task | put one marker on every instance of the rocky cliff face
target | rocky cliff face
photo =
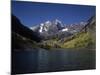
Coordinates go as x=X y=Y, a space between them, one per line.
x=91 y=25
x=22 y=30
x=86 y=38
x=50 y=29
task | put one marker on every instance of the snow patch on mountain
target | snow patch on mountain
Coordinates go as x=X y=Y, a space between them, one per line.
x=65 y=29
x=51 y=28
x=41 y=28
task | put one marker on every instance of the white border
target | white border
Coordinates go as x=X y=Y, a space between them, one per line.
x=4 y=37
x=5 y=49
x=82 y=2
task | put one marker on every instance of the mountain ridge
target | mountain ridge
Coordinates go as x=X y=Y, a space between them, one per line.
x=55 y=37
x=56 y=28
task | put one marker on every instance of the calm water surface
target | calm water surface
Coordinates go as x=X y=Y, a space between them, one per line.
x=40 y=60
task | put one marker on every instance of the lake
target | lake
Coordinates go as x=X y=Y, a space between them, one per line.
x=41 y=60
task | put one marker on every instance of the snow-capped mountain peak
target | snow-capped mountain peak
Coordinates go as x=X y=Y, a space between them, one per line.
x=51 y=28
x=48 y=23
x=57 y=21
x=43 y=28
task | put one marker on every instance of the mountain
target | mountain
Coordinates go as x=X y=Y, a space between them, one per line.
x=50 y=29
x=22 y=36
x=86 y=38
x=53 y=34
x=91 y=25
x=76 y=27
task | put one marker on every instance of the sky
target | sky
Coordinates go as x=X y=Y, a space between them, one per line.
x=34 y=13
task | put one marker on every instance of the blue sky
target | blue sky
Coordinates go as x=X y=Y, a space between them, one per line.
x=34 y=13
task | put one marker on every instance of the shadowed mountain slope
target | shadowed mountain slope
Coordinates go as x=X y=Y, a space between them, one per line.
x=22 y=36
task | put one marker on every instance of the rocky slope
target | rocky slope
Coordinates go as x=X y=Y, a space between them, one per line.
x=22 y=36
x=53 y=35
x=51 y=29
x=85 y=38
